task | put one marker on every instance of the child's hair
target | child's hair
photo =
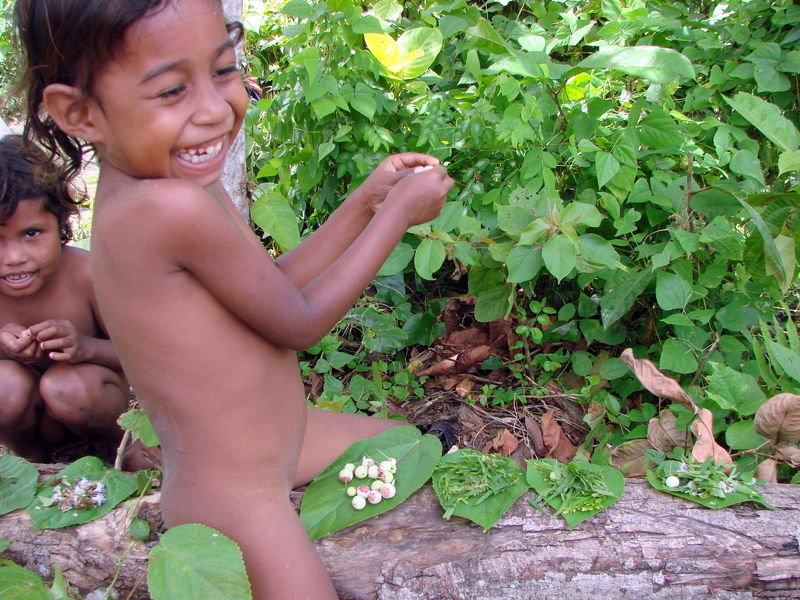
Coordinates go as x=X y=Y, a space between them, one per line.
x=68 y=42
x=26 y=172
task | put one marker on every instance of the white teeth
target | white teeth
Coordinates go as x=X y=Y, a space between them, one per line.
x=202 y=155
x=20 y=277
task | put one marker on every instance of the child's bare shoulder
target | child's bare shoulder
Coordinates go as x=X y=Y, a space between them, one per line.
x=157 y=200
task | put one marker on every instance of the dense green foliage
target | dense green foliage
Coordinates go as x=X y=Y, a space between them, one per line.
x=627 y=169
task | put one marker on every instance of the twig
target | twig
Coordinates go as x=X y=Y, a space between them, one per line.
x=123 y=445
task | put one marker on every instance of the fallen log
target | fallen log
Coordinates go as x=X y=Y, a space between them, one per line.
x=648 y=545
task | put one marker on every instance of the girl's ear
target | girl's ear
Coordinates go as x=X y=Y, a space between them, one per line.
x=72 y=111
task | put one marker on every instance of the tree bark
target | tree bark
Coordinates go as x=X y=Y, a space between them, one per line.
x=648 y=545
x=234 y=176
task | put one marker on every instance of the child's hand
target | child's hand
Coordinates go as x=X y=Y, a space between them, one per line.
x=389 y=172
x=421 y=195
x=60 y=339
x=16 y=343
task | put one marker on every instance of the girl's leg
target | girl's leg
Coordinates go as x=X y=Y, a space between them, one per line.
x=87 y=399
x=328 y=434
x=19 y=404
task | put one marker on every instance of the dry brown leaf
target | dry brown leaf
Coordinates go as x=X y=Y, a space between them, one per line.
x=504 y=443
x=556 y=441
x=465 y=386
x=663 y=434
x=535 y=435
x=778 y=419
x=655 y=381
x=443 y=367
x=628 y=457
x=473 y=357
x=789 y=454
x=706 y=445
x=768 y=471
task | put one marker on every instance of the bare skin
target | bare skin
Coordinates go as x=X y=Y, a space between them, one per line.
x=60 y=378
x=205 y=322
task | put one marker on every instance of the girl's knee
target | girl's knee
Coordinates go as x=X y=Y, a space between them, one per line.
x=67 y=396
x=16 y=392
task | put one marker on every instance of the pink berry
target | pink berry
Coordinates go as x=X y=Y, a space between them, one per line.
x=374 y=497
x=388 y=490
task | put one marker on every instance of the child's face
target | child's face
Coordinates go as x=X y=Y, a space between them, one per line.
x=172 y=103
x=30 y=249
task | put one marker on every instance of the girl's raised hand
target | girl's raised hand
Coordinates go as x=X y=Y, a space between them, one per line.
x=420 y=195
x=389 y=172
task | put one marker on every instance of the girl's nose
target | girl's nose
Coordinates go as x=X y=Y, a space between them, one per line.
x=212 y=107
x=13 y=255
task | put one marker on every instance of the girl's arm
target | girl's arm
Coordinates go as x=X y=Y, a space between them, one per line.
x=202 y=237
x=316 y=253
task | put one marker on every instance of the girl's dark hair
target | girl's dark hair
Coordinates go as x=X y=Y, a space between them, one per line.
x=25 y=172
x=69 y=41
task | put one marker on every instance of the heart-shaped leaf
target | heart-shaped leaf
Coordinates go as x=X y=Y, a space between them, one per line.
x=18 y=480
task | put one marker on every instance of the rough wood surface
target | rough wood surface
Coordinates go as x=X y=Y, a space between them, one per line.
x=648 y=545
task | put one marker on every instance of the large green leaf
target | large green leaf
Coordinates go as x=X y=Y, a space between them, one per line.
x=429 y=256
x=560 y=255
x=620 y=294
x=659 y=65
x=18 y=479
x=118 y=486
x=18 y=583
x=732 y=390
x=767 y=118
x=672 y=290
x=196 y=561
x=479 y=487
x=659 y=130
x=326 y=508
x=272 y=213
x=408 y=57
x=524 y=263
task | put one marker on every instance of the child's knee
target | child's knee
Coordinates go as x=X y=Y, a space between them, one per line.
x=16 y=386
x=66 y=395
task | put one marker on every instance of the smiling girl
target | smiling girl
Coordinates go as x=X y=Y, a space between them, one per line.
x=205 y=322
x=60 y=379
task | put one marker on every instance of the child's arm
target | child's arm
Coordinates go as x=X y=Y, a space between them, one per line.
x=64 y=343
x=201 y=236
x=327 y=243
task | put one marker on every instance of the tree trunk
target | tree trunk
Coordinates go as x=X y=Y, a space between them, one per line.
x=648 y=545
x=234 y=177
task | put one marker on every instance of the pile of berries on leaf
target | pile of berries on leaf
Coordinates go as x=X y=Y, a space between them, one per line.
x=382 y=476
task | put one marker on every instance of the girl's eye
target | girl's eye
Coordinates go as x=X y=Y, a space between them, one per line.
x=227 y=70
x=31 y=233
x=171 y=93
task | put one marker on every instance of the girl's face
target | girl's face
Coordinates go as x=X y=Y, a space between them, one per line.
x=30 y=249
x=172 y=103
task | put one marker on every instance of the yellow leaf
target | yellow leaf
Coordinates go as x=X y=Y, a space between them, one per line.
x=384 y=48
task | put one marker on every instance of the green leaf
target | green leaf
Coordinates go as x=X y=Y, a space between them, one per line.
x=493 y=303
x=18 y=583
x=408 y=57
x=620 y=294
x=747 y=164
x=789 y=161
x=138 y=423
x=272 y=213
x=741 y=435
x=580 y=213
x=563 y=494
x=196 y=561
x=397 y=260
x=732 y=390
x=429 y=257
x=767 y=118
x=772 y=257
x=672 y=291
x=596 y=251
x=559 y=255
x=326 y=508
x=524 y=263
x=18 y=479
x=677 y=356
x=659 y=65
x=607 y=166
x=479 y=487
x=787 y=359
x=118 y=486
x=749 y=495
x=659 y=130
